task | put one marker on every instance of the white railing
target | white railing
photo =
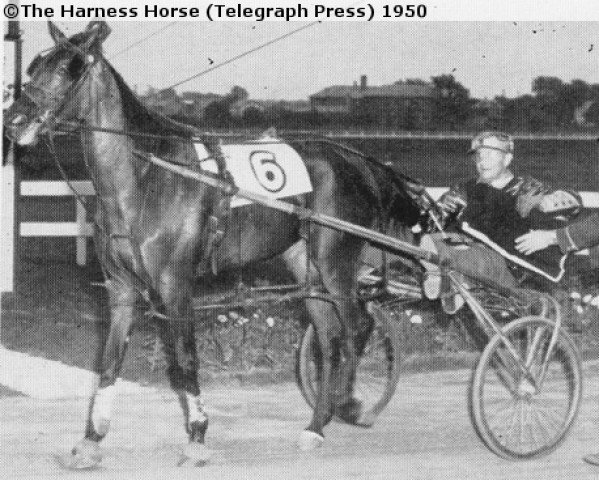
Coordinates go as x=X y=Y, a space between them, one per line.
x=81 y=228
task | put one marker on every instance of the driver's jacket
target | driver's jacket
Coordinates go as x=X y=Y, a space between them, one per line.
x=503 y=214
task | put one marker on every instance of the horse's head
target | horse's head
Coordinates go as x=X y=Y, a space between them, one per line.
x=56 y=77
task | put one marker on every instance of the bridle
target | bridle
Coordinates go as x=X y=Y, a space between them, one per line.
x=50 y=108
x=47 y=103
x=49 y=118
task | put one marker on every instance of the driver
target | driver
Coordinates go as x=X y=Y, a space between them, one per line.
x=498 y=204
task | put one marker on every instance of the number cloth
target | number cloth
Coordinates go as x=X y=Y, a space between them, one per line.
x=266 y=167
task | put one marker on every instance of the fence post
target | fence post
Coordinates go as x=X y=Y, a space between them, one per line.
x=7 y=223
x=81 y=226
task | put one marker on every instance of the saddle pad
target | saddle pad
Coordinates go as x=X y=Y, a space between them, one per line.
x=268 y=168
x=550 y=265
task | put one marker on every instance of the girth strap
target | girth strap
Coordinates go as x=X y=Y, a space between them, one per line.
x=219 y=220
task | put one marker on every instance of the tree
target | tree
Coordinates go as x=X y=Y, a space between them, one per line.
x=237 y=93
x=453 y=105
x=559 y=101
x=217 y=114
x=547 y=86
x=253 y=117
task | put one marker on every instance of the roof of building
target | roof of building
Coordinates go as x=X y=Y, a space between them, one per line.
x=400 y=90
x=199 y=95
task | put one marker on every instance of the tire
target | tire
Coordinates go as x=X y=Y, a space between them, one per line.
x=378 y=370
x=536 y=421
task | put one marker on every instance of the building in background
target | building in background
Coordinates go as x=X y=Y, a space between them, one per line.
x=195 y=103
x=402 y=105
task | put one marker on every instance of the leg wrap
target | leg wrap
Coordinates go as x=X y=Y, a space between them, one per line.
x=197 y=420
x=101 y=413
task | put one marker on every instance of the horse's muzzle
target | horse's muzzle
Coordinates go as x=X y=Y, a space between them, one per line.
x=23 y=132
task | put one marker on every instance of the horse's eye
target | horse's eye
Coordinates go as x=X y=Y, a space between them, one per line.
x=76 y=66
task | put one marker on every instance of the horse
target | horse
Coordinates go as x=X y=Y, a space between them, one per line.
x=153 y=229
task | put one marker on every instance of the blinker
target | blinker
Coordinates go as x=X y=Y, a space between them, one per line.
x=34 y=64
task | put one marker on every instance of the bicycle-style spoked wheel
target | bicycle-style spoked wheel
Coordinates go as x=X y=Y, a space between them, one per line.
x=378 y=369
x=519 y=416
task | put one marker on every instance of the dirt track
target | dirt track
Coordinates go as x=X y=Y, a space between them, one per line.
x=424 y=434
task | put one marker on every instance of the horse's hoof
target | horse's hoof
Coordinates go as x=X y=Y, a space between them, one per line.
x=310 y=441
x=351 y=412
x=196 y=453
x=366 y=419
x=86 y=455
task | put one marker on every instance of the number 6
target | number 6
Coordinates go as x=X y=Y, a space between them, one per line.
x=267 y=171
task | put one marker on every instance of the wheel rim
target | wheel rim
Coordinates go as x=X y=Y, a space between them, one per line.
x=514 y=418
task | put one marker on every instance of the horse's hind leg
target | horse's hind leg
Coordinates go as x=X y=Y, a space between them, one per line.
x=87 y=454
x=337 y=255
x=320 y=315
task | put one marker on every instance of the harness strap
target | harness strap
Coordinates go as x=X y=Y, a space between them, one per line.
x=219 y=220
x=139 y=282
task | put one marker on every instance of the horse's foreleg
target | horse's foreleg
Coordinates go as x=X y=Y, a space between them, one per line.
x=178 y=338
x=87 y=454
x=180 y=349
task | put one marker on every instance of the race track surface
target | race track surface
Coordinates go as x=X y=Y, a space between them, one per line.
x=425 y=434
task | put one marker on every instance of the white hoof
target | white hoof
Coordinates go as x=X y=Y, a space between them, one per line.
x=310 y=441
x=197 y=453
x=86 y=455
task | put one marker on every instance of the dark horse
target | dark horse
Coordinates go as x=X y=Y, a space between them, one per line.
x=153 y=227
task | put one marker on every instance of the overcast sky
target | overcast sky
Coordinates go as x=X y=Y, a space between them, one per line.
x=487 y=58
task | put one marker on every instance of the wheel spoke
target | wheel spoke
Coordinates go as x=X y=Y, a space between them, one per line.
x=513 y=424
x=533 y=434
x=541 y=423
x=502 y=414
x=553 y=416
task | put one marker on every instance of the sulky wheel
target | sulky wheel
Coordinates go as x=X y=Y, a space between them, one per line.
x=378 y=369
x=515 y=418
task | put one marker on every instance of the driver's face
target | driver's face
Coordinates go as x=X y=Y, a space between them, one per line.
x=491 y=164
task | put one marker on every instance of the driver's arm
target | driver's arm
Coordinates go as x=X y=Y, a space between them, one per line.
x=581 y=234
x=452 y=204
x=533 y=194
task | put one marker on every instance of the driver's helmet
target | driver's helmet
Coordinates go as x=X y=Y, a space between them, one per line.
x=493 y=140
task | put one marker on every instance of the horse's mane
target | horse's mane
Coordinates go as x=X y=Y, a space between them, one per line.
x=142 y=119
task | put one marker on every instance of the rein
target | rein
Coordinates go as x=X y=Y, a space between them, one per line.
x=79 y=127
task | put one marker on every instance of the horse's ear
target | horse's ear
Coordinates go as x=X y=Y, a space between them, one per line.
x=98 y=32
x=56 y=33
